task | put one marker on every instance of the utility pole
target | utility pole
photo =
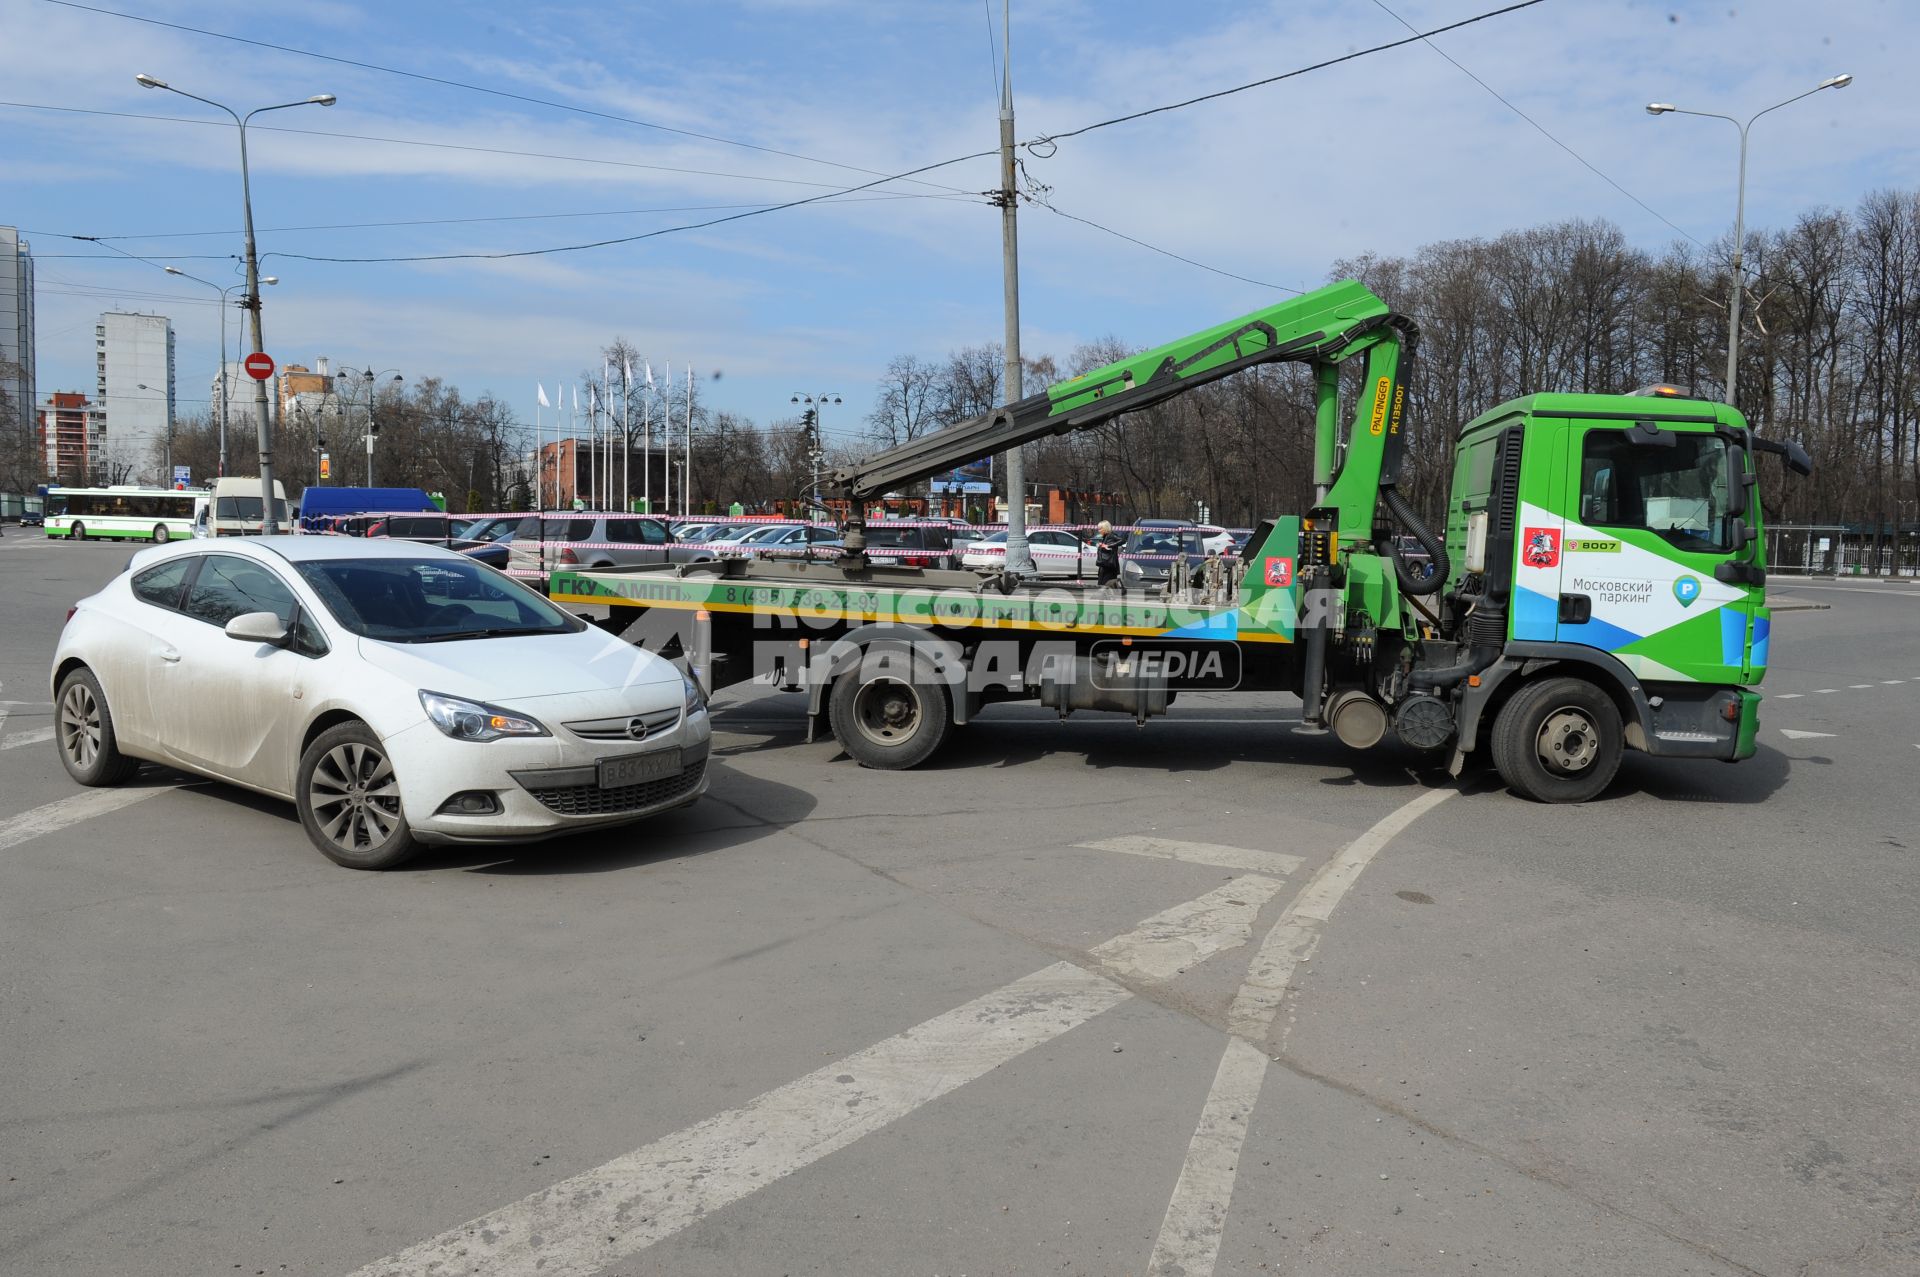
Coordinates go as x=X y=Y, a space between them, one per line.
x=1019 y=558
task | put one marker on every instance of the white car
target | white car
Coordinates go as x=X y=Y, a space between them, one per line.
x=1055 y=551
x=395 y=693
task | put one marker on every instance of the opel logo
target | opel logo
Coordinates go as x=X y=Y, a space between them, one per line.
x=636 y=728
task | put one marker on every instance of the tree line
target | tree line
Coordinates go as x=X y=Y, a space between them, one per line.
x=1832 y=318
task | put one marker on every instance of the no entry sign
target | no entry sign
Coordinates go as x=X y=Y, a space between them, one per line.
x=259 y=366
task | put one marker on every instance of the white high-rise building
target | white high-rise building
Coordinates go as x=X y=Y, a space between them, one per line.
x=16 y=326
x=133 y=360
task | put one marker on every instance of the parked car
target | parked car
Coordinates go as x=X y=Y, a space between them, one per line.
x=543 y=542
x=428 y=529
x=780 y=540
x=439 y=701
x=1057 y=552
x=1154 y=546
x=912 y=545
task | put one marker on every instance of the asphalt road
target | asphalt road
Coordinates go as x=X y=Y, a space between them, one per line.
x=840 y=1021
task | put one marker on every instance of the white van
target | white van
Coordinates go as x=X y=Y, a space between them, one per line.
x=231 y=508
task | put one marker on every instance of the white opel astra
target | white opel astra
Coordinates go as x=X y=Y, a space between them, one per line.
x=397 y=694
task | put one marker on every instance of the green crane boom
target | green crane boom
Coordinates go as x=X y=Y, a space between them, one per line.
x=1324 y=328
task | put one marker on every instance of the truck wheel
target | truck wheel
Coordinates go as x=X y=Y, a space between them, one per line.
x=887 y=723
x=1558 y=741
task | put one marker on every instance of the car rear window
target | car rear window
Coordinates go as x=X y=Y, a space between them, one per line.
x=885 y=538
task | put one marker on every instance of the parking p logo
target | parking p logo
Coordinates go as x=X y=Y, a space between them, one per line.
x=1686 y=589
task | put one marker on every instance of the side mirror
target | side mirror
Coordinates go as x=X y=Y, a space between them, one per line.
x=1743 y=536
x=258 y=627
x=1789 y=451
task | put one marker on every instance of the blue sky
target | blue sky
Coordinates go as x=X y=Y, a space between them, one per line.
x=1381 y=154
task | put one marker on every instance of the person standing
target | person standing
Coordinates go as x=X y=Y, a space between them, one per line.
x=1106 y=554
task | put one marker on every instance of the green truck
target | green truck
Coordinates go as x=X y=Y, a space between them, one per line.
x=1599 y=584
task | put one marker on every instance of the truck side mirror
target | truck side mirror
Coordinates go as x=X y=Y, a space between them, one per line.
x=1789 y=451
x=1743 y=536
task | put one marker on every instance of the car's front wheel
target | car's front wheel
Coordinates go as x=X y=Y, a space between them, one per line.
x=349 y=799
x=84 y=729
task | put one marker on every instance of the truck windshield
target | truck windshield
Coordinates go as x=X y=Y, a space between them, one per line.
x=1680 y=493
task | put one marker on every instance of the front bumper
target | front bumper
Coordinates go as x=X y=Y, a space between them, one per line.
x=543 y=787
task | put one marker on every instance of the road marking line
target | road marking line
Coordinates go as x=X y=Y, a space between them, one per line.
x=1791 y=734
x=1184 y=936
x=663 y=1187
x=1199 y=853
x=33 y=737
x=1196 y=1219
x=1858 y=687
x=1826 y=691
x=50 y=817
x=1891 y=681
x=1788 y=696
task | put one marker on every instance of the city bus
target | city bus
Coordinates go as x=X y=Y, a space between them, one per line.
x=121 y=512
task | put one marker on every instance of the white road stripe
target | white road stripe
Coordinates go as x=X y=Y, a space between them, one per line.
x=1826 y=691
x=1189 y=1240
x=1788 y=696
x=1791 y=734
x=53 y=816
x=1858 y=687
x=1199 y=853
x=1186 y=935
x=33 y=737
x=1891 y=681
x=592 y=1220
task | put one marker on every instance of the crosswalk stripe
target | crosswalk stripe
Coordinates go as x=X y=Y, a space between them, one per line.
x=1199 y=853
x=50 y=817
x=593 y=1220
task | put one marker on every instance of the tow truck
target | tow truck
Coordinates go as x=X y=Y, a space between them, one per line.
x=1599 y=584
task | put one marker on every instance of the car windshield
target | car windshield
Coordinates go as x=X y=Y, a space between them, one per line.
x=430 y=600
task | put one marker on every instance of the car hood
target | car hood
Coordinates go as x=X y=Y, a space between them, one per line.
x=523 y=668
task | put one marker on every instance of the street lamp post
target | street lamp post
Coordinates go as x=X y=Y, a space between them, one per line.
x=368 y=377
x=166 y=470
x=815 y=452
x=262 y=422
x=225 y=379
x=1740 y=209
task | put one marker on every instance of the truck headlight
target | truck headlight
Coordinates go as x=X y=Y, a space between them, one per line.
x=473 y=720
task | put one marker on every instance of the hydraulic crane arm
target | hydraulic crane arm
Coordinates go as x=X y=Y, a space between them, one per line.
x=1324 y=327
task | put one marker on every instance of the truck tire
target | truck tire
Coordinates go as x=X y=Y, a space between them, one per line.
x=888 y=723
x=1558 y=741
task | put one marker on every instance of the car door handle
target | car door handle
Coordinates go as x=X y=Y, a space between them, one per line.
x=169 y=654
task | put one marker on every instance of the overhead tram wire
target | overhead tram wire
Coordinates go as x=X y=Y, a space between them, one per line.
x=1540 y=128
x=458 y=146
x=1044 y=139
x=1050 y=138
x=1164 y=252
x=480 y=88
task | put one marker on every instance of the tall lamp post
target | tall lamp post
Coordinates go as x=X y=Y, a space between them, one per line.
x=368 y=377
x=1740 y=209
x=815 y=452
x=262 y=422
x=225 y=379
x=166 y=472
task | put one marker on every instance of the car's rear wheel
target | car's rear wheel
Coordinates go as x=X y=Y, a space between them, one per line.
x=78 y=532
x=84 y=729
x=349 y=799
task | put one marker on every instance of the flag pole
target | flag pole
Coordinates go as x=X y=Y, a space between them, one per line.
x=646 y=445
x=686 y=476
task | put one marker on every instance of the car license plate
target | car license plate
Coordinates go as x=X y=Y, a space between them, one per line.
x=636 y=769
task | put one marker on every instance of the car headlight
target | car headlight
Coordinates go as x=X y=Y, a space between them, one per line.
x=472 y=720
x=696 y=700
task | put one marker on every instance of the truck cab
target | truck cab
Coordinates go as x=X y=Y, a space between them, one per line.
x=1616 y=539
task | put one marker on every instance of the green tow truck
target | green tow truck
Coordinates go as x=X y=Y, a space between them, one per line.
x=1599 y=585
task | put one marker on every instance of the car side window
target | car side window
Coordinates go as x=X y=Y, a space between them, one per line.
x=652 y=533
x=161 y=585
x=228 y=586
x=580 y=529
x=623 y=531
